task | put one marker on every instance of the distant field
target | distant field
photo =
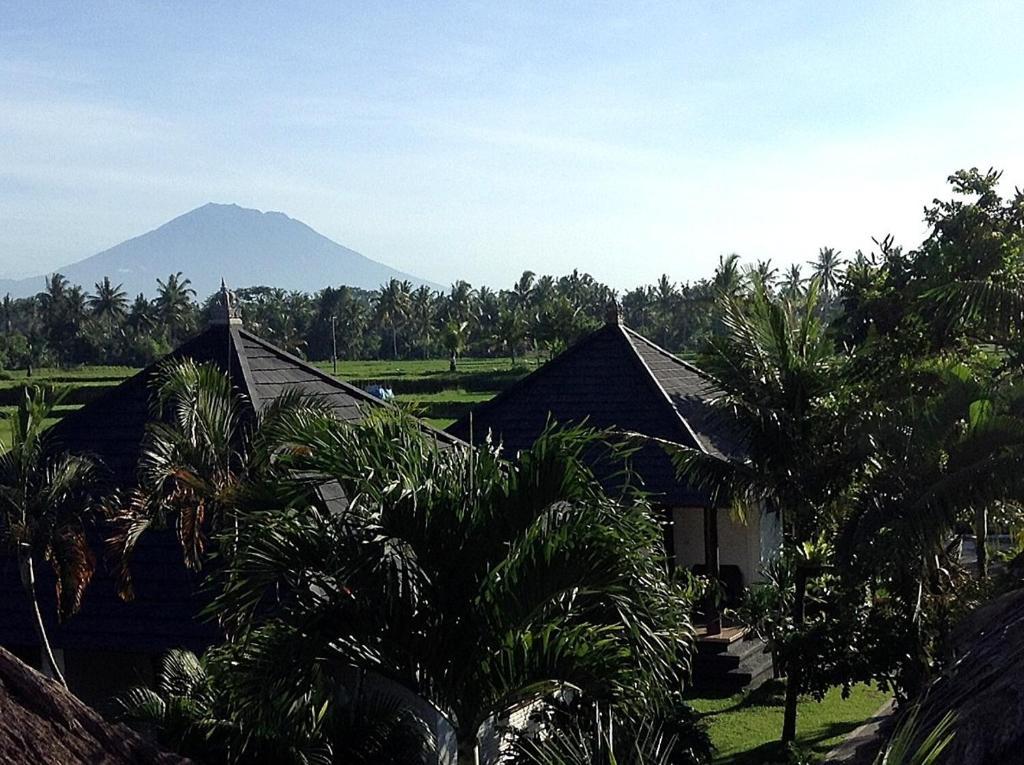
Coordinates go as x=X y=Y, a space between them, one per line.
x=425 y=386
x=412 y=368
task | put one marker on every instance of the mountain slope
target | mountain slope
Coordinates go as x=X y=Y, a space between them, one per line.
x=245 y=247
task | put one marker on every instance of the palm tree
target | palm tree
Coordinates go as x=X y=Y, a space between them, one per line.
x=475 y=583
x=792 y=282
x=509 y=331
x=778 y=371
x=142 y=316
x=728 y=279
x=827 y=269
x=53 y=295
x=422 y=313
x=666 y=303
x=174 y=304
x=763 y=272
x=453 y=337
x=523 y=290
x=460 y=302
x=193 y=712
x=110 y=302
x=44 y=498
x=392 y=307
x=195 y=456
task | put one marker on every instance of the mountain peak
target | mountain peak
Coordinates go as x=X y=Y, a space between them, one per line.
x=247 y=247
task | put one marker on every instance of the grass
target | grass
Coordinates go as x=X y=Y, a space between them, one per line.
x=745 y=728
x=447 y=396
x=86 y=375
x=437 y=395
x=420 y=368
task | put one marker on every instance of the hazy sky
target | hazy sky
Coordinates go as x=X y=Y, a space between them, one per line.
x=477 y=140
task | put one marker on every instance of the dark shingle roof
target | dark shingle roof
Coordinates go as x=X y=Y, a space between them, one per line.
x=613 y=378
x=164 y=613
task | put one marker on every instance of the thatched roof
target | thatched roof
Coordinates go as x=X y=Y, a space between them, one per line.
x=40 y=722
x=984 y=686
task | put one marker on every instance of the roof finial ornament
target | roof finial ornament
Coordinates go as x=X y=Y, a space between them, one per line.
x=225 y=308
x=612 y=316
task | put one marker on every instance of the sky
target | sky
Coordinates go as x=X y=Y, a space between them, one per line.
x=476 y=140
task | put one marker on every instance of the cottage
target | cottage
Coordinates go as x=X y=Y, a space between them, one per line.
x=616 y=378
x=111 y=645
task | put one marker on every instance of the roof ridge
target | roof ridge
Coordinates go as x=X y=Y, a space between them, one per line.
x=522 y=382
x=352 y=390
x=681 y=361
x=629 y=334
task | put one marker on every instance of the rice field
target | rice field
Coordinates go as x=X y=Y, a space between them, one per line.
x=425 y=386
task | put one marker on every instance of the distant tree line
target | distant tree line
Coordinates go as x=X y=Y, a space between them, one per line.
x=66 y=324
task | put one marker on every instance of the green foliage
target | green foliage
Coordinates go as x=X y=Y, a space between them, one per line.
x=198 y=451
x=46 y=497
x=581 y=734
x=476 y=584
x=191 y=711
x=908 y=746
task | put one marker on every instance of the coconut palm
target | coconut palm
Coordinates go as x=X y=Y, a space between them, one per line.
x=793 y=282
x=523 y=291
x=460 y=303
x=110 y=302
x=174 y=305
x=477 y=584
x=778 y=371
x=764 y=272
x=142 y=316
x=728 y=279
x=45 y=497
x=422 y=313
x=509 y=331
x=453 y=337
x=54 y=294
x=392 y=308
x=827 y=268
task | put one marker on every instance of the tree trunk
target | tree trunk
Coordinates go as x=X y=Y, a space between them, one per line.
x=713 y=570
x=394 y=341
x=467 y=754
x=794 y=662
x=453 y=363
x=981 y=537
x=28 y=581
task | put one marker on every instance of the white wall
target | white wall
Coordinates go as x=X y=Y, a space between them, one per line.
x=744 y=545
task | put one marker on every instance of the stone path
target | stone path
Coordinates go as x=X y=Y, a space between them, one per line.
x=859 y=748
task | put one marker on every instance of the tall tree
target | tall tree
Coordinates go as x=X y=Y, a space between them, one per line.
x=475 y=583
x=204 y=444
x=827 y=268
x=793 y=282
x=45 y=497
x=109 y=302
x=174 y=305
x=392 y=308
x=780 y=375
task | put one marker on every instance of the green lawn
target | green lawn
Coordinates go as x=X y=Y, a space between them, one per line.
x=745 y=728
x=448 y=396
